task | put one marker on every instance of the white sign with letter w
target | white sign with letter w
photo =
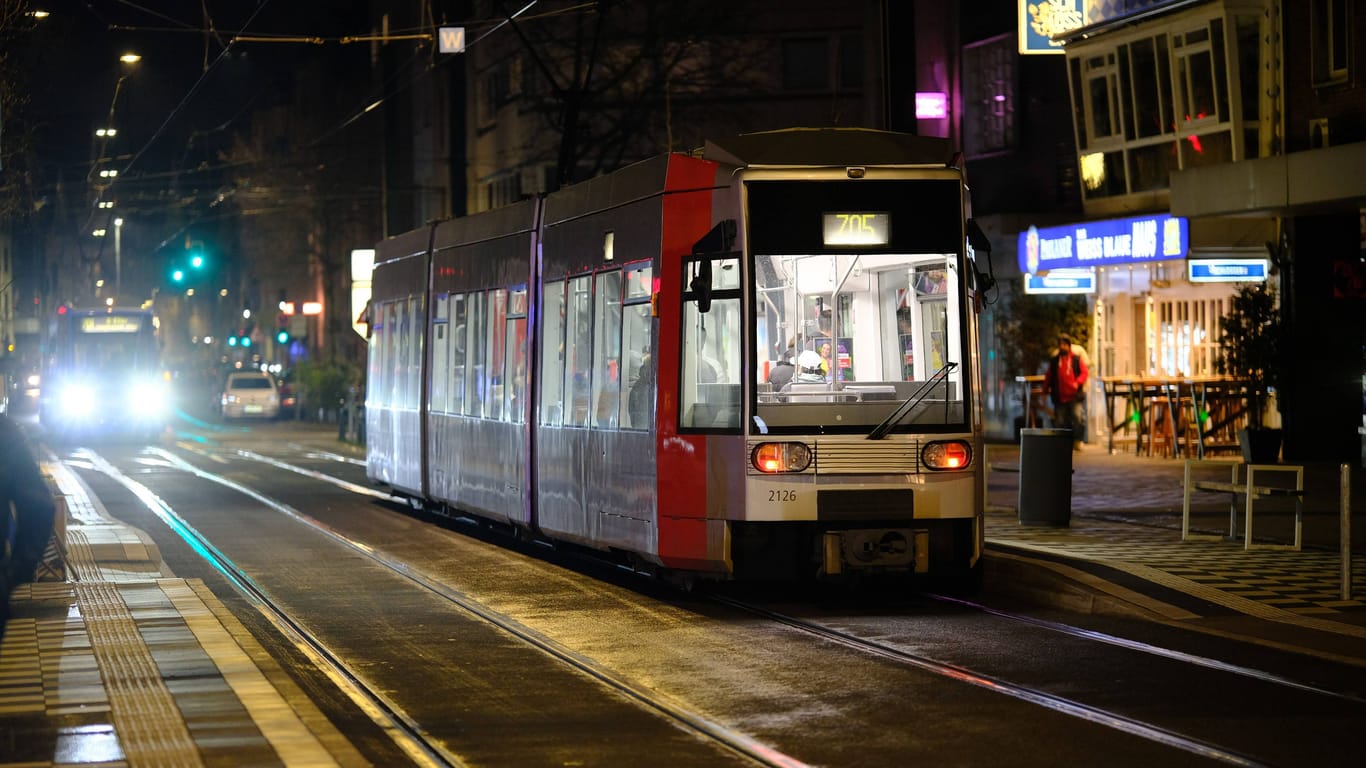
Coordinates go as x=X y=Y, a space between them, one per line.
x=451 y=39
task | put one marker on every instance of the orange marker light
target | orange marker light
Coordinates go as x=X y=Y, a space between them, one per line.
x=948 y=454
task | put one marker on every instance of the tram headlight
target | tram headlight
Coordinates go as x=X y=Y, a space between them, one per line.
x=946 y=454
x=772 y=458
x=149 y=397
x=77 y=400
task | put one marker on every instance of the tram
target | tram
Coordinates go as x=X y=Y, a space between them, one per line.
x=102 y=373
x=599 y=366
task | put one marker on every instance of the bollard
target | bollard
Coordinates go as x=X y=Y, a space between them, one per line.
x=1345 y=528
x=1045 y=496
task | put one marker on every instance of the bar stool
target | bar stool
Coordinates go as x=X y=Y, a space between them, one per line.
x=1157 y=414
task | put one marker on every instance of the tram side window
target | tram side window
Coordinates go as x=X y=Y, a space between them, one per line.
x=607 y=351
x=475 y=351
x=637 y=362
x=458 y=334
x=552 y=356
x=391 y=359
x=709 y=395
x=440 y=350
x=578 y=352
x=417 y=320
x=493 y=392
x=514 y=371
x=374 y=366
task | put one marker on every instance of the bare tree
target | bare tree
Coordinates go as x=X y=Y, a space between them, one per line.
x=16 y=194
x=616 y=81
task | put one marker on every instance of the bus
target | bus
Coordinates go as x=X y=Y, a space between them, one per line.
x=596 y=366
x=102 y=373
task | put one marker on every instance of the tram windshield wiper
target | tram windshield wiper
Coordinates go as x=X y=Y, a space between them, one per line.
x=923 y=391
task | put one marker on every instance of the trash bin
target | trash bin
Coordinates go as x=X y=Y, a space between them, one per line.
x=1045 y=477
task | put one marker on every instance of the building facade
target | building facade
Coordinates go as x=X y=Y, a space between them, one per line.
x=1211 y=113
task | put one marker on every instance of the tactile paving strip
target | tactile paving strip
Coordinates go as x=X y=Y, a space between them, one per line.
x=145 y=714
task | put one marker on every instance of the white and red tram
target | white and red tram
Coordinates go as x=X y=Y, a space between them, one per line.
x=598 y=366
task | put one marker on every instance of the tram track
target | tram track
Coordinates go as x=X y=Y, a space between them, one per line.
x=1167 y=737
x=1032 y=695
x=408 y=733
x=1148 y=648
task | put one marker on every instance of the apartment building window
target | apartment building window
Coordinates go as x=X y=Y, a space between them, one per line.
x=989 y=96
x=503 y=189
x=1332 y=28
x=1102 y=96
x=806 y=64
x=1162 y=98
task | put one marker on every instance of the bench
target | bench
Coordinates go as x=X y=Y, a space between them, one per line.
x=1250 y=490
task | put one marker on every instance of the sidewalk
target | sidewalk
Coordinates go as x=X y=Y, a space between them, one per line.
x=119 y=664
x=1122 y=552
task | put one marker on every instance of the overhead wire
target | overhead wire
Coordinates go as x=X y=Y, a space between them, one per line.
x=385 y=95
x=198 y=84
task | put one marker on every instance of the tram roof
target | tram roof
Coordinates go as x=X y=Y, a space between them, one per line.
x=829 y=147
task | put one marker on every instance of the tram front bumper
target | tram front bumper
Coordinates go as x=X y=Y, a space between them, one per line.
x=897 y=549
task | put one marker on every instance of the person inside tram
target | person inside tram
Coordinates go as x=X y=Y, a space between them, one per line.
x=809 y=370
x=640 y=395
x=709 y=369
x=781 y=372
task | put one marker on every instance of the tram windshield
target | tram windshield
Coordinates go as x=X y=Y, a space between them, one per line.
x=843 y=340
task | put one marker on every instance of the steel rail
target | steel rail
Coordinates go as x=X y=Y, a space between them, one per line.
x=1035 y=696
x=737 y=742
x=1154 y=650
x=407 y=734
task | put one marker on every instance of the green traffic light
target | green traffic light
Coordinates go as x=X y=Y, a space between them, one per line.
x=246 y=341
x=178 y=275
x=197 y=261
x=232 y=341
x=282 y=337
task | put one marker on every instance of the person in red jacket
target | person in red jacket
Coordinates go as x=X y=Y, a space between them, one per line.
x=1065 y=385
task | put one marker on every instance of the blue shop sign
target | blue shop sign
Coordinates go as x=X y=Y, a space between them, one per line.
x=1062 y=281
x=1158 y=237
x=1228 y=270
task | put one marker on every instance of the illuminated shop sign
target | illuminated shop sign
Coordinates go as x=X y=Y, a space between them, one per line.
x=931 y=105
x=1062 y=281
x=1104 y=243
x=1228 y=270
x=1041 y=19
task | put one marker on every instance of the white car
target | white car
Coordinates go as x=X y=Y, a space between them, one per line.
x=250 y=394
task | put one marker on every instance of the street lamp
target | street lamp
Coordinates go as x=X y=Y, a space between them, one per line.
x=118 y=256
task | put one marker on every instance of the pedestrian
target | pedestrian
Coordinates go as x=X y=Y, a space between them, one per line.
x=1065 y=385
x=28 y=512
